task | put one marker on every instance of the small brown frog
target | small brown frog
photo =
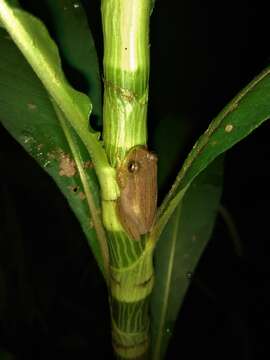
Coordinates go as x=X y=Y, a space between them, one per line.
x=137 y=179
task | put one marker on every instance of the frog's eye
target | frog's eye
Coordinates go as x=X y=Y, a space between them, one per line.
x=133 y=166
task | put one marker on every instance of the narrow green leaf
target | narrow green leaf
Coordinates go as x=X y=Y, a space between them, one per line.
x=27 y=113
x=77 y=45
x=178 y=251
x=249 y=109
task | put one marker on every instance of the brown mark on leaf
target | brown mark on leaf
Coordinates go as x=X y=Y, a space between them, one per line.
x=67 y=166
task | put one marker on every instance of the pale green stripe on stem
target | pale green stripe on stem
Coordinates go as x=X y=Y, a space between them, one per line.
x=126 y=75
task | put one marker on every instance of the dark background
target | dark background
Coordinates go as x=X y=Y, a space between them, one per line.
x=53 y=300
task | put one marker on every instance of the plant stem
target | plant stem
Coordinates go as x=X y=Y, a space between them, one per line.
x=126 y=77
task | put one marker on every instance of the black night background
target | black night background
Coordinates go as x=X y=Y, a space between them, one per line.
x=202 y=54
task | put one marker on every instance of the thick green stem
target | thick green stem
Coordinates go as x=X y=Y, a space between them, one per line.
x=131 y=283
x=126 y=77
x=131 y=287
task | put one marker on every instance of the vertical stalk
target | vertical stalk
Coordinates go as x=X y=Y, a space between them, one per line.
x=126 y=78
x=126 y=75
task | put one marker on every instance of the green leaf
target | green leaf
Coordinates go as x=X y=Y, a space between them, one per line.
x=33 y=39
x=77 y=46
x=28 y=114
x=249 y=109
x=178 y=251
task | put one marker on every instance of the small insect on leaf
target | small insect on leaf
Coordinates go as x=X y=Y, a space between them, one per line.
x=137 y=179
